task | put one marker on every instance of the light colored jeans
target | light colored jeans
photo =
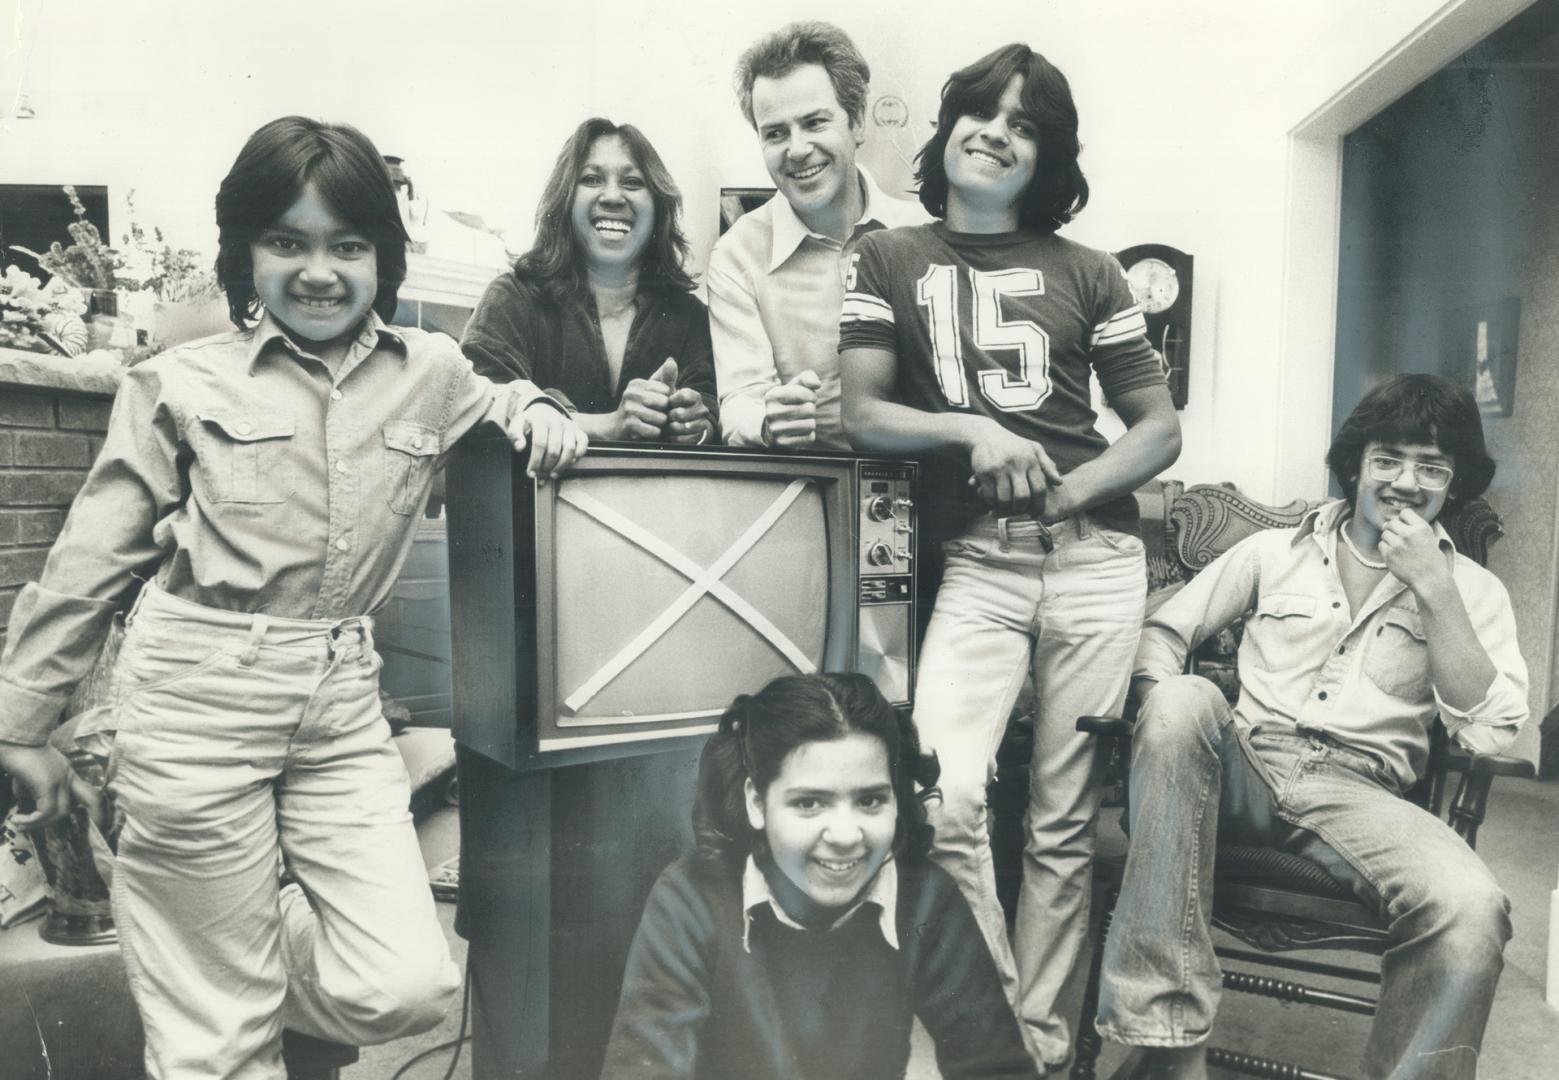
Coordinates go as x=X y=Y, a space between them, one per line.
x=1070 y=615
x=241 y=739
x=1194 y=775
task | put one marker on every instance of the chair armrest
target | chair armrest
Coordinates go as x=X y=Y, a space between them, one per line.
x=1493 y=765
x=1112 y=726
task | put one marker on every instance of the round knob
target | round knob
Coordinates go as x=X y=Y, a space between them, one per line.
x=880 y=508
x=879 y=554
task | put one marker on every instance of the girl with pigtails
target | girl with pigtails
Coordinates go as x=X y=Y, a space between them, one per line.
x=809 y=928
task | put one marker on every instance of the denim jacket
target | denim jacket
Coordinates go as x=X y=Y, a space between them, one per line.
x=1305 y=662
x=246 y=476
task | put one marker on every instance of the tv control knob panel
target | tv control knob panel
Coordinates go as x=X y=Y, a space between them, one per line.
x=886 y=528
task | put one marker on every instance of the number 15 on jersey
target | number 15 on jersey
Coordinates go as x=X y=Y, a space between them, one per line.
x=1012 y=361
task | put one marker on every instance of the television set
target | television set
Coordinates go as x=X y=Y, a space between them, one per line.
x=628 y=602
x=600 y=624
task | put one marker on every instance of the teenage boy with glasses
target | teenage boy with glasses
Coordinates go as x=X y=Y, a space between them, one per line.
x=1366 y=624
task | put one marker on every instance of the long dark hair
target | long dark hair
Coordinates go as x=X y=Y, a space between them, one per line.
x=760 y=730
x=1417 y=409
x=1059 y=191
x=555 y=261
x=271 y=171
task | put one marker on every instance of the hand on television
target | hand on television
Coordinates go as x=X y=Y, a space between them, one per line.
x=689 y=417
x=790 y=411
x=556 y=441
x=43 y=777
x=1411 y=551
x=645 y=407
x=1012 y=474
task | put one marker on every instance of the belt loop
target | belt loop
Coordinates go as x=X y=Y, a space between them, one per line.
x=257 y=628
x=1002 y=539
x=1084 y=526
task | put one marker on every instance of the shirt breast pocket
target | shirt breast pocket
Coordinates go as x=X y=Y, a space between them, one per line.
x=1278 y=630
x=1398 y=660
x=245 y=457
x=410 y=449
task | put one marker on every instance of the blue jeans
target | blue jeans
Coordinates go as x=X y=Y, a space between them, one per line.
x=1195 y=775
x=1068 y=614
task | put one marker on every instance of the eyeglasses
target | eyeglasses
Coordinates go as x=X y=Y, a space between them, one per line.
x=1385 y=468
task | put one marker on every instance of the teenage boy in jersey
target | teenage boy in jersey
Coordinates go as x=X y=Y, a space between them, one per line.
x=971 y=342
x=1366 y=624
x=775 y=278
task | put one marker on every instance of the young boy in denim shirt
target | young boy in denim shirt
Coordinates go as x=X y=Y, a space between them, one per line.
x=265 y=485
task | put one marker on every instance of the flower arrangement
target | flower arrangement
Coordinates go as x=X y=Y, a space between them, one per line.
x=173 y=275
x=38 y=317
x=146 y=295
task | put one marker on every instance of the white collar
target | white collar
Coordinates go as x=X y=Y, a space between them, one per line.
x=883 y=891
x=790 y=231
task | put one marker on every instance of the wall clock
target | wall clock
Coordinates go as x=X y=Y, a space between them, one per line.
x=1160 y=279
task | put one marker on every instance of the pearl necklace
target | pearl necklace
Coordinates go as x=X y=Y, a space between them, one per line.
x=1347 y=540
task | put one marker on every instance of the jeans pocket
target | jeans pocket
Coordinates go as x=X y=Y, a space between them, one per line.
x=245 y=456
x=410 y=449
x=968 y=548
x=148 y=662
x=1124 y=543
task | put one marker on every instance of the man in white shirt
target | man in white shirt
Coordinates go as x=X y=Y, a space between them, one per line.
x=776 y=278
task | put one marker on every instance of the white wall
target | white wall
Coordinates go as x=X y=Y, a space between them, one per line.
x=1186 y=111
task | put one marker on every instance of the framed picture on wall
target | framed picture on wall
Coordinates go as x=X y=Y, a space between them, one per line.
x=735 y=201
x=1481 y=351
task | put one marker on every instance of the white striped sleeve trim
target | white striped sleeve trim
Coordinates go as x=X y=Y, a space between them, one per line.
x=1119 y=327
x=864 y=307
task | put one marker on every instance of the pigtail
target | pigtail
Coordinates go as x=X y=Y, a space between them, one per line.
x=720 y=828
x=915 y=776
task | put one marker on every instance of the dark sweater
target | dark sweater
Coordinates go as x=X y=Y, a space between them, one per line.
x=803 y=1004
x=518 y=332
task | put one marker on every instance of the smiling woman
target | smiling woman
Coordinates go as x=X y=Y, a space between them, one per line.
x=599 y=310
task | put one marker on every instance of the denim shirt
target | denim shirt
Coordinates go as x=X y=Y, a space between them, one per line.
x=1305 y=662
x=246 y=476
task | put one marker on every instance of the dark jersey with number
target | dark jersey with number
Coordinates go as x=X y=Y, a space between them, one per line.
x=1008 y=325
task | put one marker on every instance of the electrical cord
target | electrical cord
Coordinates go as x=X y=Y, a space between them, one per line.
x=458 y=1042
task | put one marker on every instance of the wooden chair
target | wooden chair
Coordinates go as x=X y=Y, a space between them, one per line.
x=1273 y=902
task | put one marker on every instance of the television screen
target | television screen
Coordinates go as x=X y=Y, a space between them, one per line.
x=628 y=602
x=654 y=571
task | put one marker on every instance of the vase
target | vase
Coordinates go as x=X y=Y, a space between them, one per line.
x=102 y=302
x=177 y=321
x=106 y=327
